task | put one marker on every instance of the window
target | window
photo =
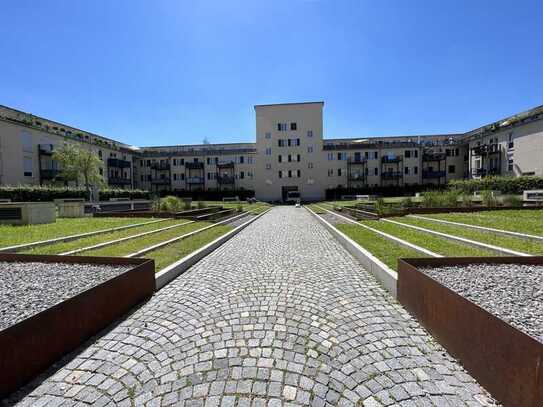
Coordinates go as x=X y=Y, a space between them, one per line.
x=280 y=174
x=241 y=159
x=208 y=161
x=141 y=164
x=100 y=154
x=339 y=172
x=297 y=142
x=101 y=171
x=182 y=177
x=310 y=165
x=290 y=173
x=406 y=170
x=416 y=153
x=26 y=141
x=268 y=151
x=510 y=165
x=309 y=133
x=298 y=157
x=175 y=177
x=267 y=135
x=148 y=177
x=208 y=176
x=407 y=154
x=242 y=174
x=182 y=161
x=330 y=172
x=141 y=177
x=310 y=149
x=288 y=142
x=280 y=158
x=341 y=156
x=330 y=156
x=375 y=156
x=195 y=160
x=268 y=166
x=281 y=127
x=293 y=126
x=452 y=169
x=298 y=173
x=249 y=160
x=148 y=163
x=27 y=166
x=415 y=170
x=281 y=143
x=366 y=154
x=376 y=171
x=448 y=152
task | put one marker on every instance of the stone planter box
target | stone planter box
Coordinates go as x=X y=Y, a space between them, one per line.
x=505 y=360
x=31 y=345
x=27 y=213
x=72 y=210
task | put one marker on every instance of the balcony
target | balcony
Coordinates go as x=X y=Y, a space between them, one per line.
x=391 y=175
x=194 y=166
x=195 y=180
x=49 y=174
x=486 y=149
x=45 y=149
x=160 y=181
x=225 y=164
x=118 y=163
x=433 y=174
x=225 y=179
x=433 y=156
x=354 y=161
x=119 y=181
x=160 y=166
x=391 y=159
x=483 y=172
x=355 y=177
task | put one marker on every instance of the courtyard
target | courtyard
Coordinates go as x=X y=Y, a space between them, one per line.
x=281 y=314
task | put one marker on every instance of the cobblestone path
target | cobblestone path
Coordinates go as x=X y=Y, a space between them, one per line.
x=279 y=315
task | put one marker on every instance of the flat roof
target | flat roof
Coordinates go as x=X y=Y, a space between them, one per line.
x=320 y=102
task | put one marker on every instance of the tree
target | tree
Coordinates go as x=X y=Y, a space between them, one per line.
x=77 y=164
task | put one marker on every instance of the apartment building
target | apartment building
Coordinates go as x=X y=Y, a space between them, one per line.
x=290 y=154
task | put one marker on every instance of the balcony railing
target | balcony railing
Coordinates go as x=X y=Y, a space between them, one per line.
x=160 y=181
x=195 y=180
x=359 y=161
x=486 y=149
x=391 y=160
x=483 y=172
x=160 y=166
x=194 y=166
x=225 y=179
x=49 y=174
x=225 y=164
x=391 y=175
x=355 y=177
x=45 y=149
x=431 y=156
x=433 y=174
x=118 y=163
x=119 y=181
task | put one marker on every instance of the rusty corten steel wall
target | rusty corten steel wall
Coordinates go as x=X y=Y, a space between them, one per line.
x=505 y=360
x=32 y=345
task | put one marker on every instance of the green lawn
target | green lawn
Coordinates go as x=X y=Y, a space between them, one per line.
x=316 y=209
x=435 y=244
x=131 y=246
x=175 y=251
x=513 y=243
x=523 y=221
x=385 y=250
x=62 y=247
x=12 y=235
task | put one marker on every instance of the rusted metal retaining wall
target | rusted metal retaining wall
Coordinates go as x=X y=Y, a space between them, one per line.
x=32 y=345
x=505 y=360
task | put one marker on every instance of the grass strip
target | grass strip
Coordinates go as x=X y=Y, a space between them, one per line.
x=513 y=243
x=62 y=247
x=385 y=250
x=11 y=235
x=436 y=244
x=171 y=253
x=316 y=209
x=522 y=221
x=131 y=246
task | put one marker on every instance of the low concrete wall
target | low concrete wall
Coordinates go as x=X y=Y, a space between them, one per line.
x=384 y=274
x=72 y=210
x=27 y=213
x=174 y=270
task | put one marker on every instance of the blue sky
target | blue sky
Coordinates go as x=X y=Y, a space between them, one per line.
x=176 y=72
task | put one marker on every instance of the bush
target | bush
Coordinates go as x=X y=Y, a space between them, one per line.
x=239 y=208
x=465 y=200
x=506 y=185
x=43 y=193
x=200 y=204
x=407 y=203
x=431 y=199
x=489 y=199
x=512 y=200
x=170 y=204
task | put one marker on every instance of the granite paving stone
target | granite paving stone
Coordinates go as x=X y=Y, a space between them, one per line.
x=280 y=315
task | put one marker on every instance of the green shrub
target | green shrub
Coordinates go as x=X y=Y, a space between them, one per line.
x=489 y=199
x=200 y=204
x=431 y=199
x=381 y=207
x=449 y=198
x=239 y=208
x=170 y=204
x=512 y=200
x=407 y=203
x=45 y=193
x=465 y=200
x=506 y=185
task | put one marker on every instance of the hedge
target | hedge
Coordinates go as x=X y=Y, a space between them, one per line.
x=506 y=185
x=28 y=193
x=385 y=191
x=209 y=195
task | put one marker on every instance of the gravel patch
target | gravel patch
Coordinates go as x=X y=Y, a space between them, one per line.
x=27 y=288
x=513 y=292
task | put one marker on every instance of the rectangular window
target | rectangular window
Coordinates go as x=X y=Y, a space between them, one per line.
x=330 y=172
x=406 y=170
x=249 y=160
x=141 y=178
x=268 y=151
x=182 y=161
x=298 y=157
x=175 y=177
x=208 y=176
x=148 y=177
x=310 y=133
x=415 y=170
x=290 y=173
x=339 y=172
x=174 y=162
x=182 y=177
x=280 y=174
x=242 y=174
x=268 y=166
x=298 y=173
x=267 y=135
x=452 y=169
x=298 y=142
x=141 y=164
x=510 y=165
x=310 y=149
x=416 y=153
x=289 y=158
x=375 y=156
x=241 y=159
x=366 y=154
x=376 y=171
x=27 y=166
x=281 y=126
x=279 y=158
x=280 y=142
x=26 y=141
x=293 y=126
x=407 y=154
x=330 y=156
x=288 y=142
x=309 y=165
